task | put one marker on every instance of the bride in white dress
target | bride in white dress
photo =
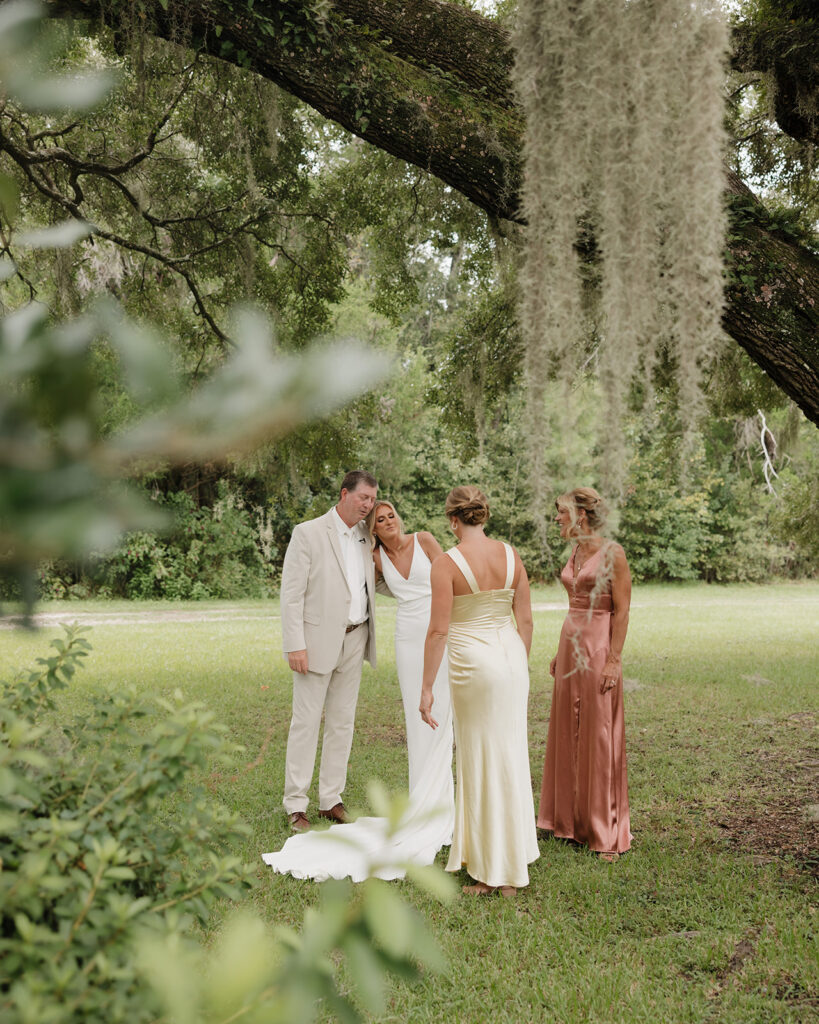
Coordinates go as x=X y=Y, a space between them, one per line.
x=366 y=847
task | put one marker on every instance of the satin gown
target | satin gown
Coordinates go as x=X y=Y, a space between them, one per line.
x=363 y=848
x=584 y=795
x=495 y=836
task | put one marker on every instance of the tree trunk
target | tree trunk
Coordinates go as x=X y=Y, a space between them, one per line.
x=772 y=297
x=429 y=82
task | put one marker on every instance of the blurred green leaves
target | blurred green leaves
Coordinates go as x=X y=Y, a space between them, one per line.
x=60 y=236
x=26 y=55
x=253 y=976
x=62 y=491
x=54 y=497
x=256 y=395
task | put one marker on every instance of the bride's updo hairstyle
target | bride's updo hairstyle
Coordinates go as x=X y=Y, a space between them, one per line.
x=589 y=500
x=469 y=504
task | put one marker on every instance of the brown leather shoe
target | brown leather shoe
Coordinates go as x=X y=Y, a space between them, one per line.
x=298 y=821
x=337 y=813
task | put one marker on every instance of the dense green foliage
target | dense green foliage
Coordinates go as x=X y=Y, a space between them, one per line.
x=780 y=40
x=718 y=521
x=209 y=185
x=222 y=550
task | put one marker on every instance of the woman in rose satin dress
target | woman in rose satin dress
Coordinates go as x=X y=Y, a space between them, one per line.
x=584 y=796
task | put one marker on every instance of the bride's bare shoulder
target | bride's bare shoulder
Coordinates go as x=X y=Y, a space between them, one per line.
x=429 y=545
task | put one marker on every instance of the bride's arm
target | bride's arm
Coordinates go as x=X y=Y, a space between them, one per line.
x=380 y=583
x=440 y=612
x=522 y=605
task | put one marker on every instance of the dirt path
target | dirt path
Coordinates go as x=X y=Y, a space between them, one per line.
x=48 y=620
x=226 y=613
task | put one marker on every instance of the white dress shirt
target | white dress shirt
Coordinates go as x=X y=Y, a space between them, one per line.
x=353 y=547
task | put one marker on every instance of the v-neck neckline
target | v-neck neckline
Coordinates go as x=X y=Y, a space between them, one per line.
x=575 y=571
x=412 y=559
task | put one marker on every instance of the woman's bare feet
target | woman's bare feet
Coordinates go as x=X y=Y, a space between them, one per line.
x=482 y=889
x=479 y=889
x=609 y=857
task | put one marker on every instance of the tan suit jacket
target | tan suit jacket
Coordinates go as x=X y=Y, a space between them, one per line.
x=315 y=597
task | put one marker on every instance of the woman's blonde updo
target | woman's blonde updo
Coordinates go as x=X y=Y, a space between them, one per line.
x=469 y=504
x=587 y=499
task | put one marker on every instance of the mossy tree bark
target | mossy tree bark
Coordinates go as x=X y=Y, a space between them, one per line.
x=429 y=82
x=782 y=44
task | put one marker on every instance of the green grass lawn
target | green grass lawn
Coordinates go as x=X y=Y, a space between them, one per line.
x=711 y=917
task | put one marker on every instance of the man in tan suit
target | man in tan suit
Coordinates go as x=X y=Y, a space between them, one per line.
x=328 y=629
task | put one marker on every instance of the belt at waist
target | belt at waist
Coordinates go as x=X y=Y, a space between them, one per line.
x=355 y=625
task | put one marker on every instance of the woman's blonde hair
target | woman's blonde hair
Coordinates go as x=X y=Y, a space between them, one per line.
x=469 y=504
x=587 y=499
x=370 y=521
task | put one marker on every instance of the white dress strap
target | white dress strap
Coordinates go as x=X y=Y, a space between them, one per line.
x=463 y=565
x=510 y=565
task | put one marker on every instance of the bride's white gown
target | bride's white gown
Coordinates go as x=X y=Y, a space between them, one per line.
x=364 y=848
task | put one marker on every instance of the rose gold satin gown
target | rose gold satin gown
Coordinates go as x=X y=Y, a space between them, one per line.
x=584 y=796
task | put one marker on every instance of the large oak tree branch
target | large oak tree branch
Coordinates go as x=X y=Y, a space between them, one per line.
x=429 y=82
x=784 y=47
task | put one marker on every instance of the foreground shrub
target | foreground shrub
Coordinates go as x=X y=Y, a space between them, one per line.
x=90 y=849
x=111 y=856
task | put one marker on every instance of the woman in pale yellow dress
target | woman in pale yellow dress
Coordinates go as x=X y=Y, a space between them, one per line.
x=476 y=588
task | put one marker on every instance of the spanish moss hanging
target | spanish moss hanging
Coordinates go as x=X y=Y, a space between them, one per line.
x=623 y=199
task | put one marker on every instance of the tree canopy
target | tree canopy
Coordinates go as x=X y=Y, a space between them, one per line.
x=201 y=183
x=429 y=81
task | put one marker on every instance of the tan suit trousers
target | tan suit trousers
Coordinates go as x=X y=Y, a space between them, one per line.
x=334 y=693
